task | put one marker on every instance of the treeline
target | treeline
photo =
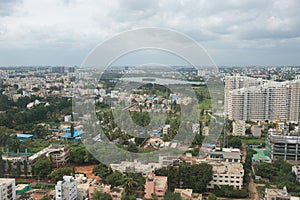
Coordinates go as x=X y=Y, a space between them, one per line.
x=17 y=116
x=194 y=177
x=133 y=183
x=279 y=173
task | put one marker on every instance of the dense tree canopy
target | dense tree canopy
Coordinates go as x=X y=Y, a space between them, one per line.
x=195 y=177
x=58 y=174
x=42 y=168
x=101 y=196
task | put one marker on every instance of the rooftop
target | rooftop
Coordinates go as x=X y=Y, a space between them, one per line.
x=161 y=181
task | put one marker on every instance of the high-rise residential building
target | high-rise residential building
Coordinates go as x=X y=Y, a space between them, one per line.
x=66 y=189
x=7 y=189
x=58 y=69
x=259 y=100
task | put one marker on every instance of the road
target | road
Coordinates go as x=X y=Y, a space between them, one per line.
x=253 y=190
x=252 y=186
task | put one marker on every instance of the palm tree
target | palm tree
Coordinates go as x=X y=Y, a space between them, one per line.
x=130 y=185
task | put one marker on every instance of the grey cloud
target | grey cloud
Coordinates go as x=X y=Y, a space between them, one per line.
x=7 y=6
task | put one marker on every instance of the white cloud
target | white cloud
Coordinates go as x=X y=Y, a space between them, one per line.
x=73 y=27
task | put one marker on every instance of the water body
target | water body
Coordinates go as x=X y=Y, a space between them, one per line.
x=162 y=81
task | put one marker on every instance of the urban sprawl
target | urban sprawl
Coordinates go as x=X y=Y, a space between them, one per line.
x=253 y=110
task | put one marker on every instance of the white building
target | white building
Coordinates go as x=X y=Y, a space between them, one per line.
x=135 y=166
x=7 y=189
x=68 y=118
x=239 y=128
x=258 y=100
x=272 y=194
x=82 y=187
x=296 y=170
x=66 y=189
x=225 y=173
x=226 y=155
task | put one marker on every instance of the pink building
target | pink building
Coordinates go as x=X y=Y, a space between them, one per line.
x=156 y=185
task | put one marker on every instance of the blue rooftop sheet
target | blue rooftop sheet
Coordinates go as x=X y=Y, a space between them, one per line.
x=68 y=134
x=19 y=135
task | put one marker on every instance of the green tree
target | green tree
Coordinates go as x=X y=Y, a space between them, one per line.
x=1 y=164
x=25 y=165
x=42 y=168
x=130 y=185
x=58 y=174
x=72 y=130
x=212 y=197
x=14 y=143
x=196 y=177
x=18 y=169
x=132 y=148
x=115 y=179
x=128 y=197
x=172 y=196
x=101 y=196
x=234 y=142
x=102 y=170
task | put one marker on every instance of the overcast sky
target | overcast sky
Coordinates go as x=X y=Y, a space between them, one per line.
x=234 y=32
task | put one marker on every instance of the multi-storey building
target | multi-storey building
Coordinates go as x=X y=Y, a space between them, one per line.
x=258 y=100
x=135 y=166
x=7 y=189
x=282 y=146
x=239 y=128
x=156 y=185
x=59 y=155
x=226 y=173
x=66 y=189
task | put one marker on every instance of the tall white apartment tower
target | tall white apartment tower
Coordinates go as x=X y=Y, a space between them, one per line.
x=66 y=189
x=258 y=100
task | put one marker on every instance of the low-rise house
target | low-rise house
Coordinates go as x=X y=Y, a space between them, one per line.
x=278 y=194
x=187 y=194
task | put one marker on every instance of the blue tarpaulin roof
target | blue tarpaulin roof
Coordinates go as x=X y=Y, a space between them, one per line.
x=68 y=134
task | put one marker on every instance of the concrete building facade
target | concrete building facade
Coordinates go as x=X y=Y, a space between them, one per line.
x=258 y=100
x=7 y=189
x=66 y=189
x=286 y=147
x=239 y=128
x=156 y=185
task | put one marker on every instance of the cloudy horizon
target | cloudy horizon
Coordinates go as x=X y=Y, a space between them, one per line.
x=56 y=32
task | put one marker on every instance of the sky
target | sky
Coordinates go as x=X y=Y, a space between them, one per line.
x=233 y=32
